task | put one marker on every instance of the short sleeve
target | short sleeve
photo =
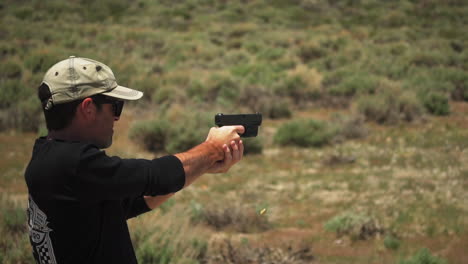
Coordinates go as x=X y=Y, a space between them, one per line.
x=100 y=177
x=134 y=207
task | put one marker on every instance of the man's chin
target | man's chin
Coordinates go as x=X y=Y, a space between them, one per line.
x=106 y=144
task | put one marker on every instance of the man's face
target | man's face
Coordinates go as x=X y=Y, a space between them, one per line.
x=103 y=126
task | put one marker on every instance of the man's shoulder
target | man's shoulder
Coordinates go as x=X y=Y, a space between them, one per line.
x=63 y=145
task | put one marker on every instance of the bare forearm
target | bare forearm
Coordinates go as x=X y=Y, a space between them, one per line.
x=198 y=160
x=155 y=201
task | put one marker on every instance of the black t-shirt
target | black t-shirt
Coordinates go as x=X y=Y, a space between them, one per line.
x=80 y=199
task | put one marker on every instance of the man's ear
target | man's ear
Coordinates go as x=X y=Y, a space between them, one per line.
x=87 y=109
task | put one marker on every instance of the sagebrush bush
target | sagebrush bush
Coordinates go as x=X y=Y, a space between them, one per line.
x=12 y=92
x=305 y=133
x=357 y=83
x=357 y=226
x=436 y=103
x=302 y=84
x=152 y=135
x=25 y=115
x=10 y=69
x=253 y=145
x=455 y=81
x=234 y=215
x=311 y=51
x=258 y=98
x=225 y=250
x=175 y=131
x=351 y=127
x=423 y=256
x=260 y=73
x=221 y=87
x=167 y=238
x=333 y=78
x=148 y=85
x=428 y=58
x=390 y=105
x=391 y=242
x=14 y=240
x=39 y=61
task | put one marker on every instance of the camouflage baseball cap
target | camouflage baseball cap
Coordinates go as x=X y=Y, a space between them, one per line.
x=77 y=78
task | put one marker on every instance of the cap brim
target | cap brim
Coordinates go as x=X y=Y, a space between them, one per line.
x=124 y=93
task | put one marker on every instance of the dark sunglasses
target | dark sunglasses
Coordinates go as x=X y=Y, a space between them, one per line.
x=117 y=105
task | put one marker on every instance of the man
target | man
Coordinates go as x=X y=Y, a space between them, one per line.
x=80 y=198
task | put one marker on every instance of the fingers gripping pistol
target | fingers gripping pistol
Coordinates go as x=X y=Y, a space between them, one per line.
x=251 y=122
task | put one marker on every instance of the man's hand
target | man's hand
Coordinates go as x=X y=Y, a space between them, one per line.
x=232 y=155
x=224 y=135
x=204 y=157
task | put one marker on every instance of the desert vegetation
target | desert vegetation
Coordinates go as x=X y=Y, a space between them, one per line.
x=362 y=156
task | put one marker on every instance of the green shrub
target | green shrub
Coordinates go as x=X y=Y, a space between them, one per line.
x=238 y=216
x=357 y=83
x=25 y=115
x=275 y=108
x=252 y=145
x=311 y=51
x=456 y=81
x=302 y=84
x=222 y=87
x=292 y=86
x=410 y=107
x=40 y=61
x=184 y=136
x=393 y=19
x=12 y=92
x=98 y=11
x=148 y=85
x=357 y=226
x=239 y=30
x=351 y=127
x=305 y=133
x=271 y=54
x=152 y=135
x=10 y=69
x=176 y=131
x=156 y=252
x=333 y=78
x=13 y=217
x=423 y=256
x=436 y=103
x=261 y=99
x=236 y=57
x=14 y=241
x=390 y=105
x=391 y=242
x=164 y=94
x=258 y=73
x=428 y=58
x=217 y=88
x=378 y=109
x=24 y=12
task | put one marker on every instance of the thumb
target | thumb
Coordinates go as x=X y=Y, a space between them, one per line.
x=239 y=129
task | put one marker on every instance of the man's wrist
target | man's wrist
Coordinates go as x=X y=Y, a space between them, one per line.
x=216 y=152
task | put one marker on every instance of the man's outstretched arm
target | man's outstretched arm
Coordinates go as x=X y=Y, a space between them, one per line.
x=221 y=150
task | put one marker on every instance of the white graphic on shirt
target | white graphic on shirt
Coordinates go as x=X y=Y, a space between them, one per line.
x=39 y=234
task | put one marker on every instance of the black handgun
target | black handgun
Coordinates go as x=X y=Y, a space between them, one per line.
x=251 y=122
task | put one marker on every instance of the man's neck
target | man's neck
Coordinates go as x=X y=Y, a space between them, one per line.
x=67 y=134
